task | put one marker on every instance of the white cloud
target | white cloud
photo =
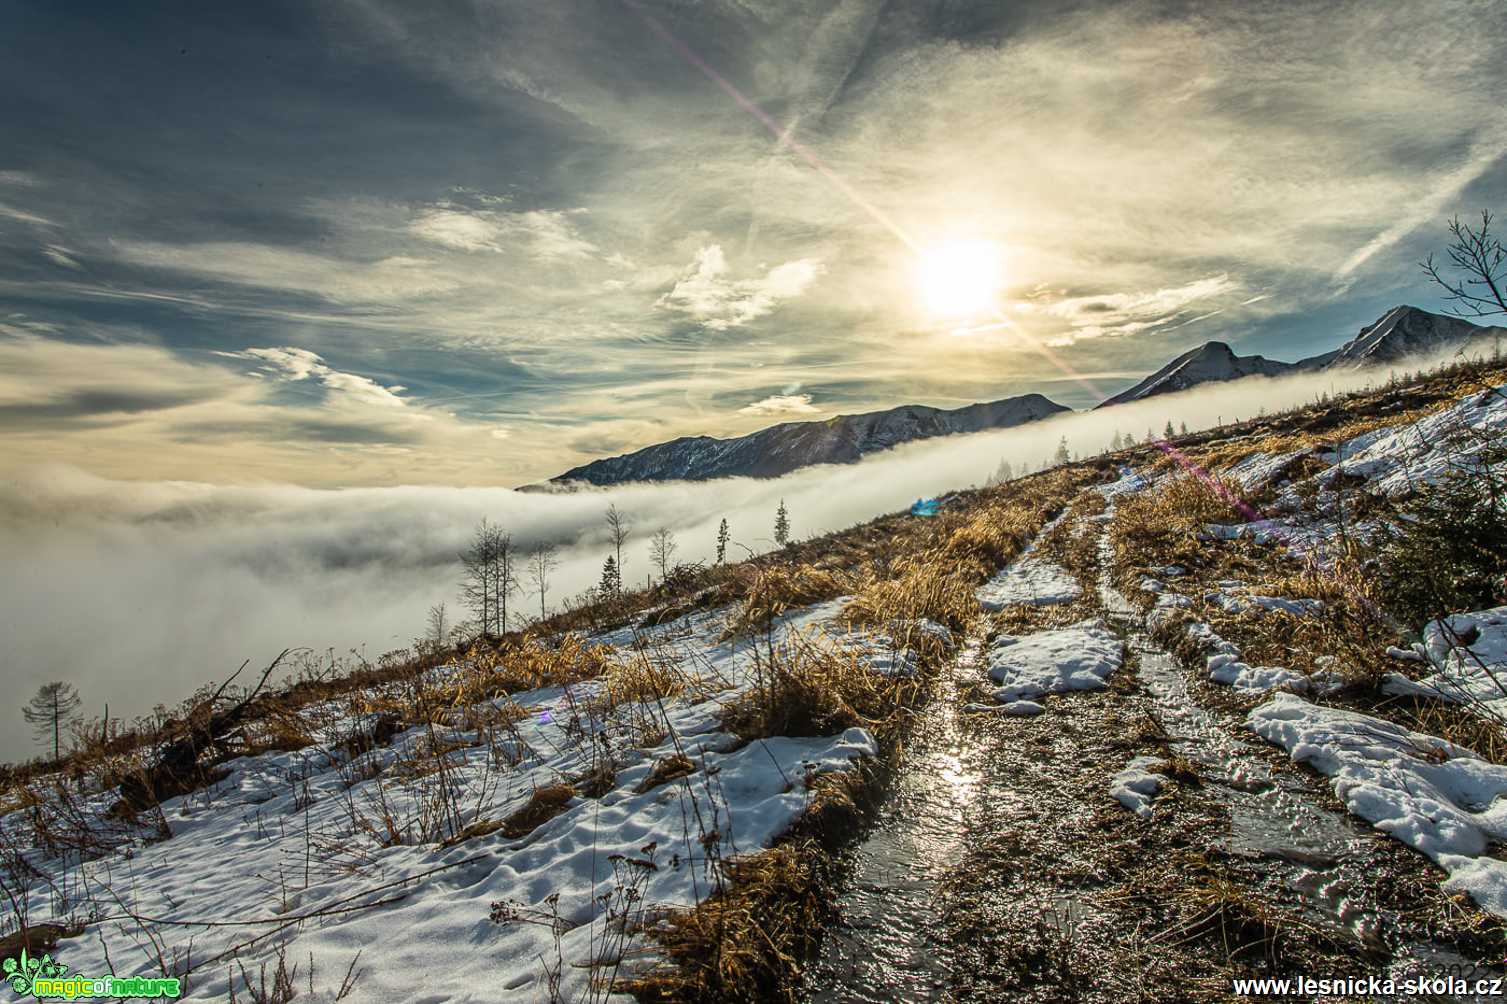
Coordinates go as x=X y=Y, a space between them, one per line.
x=545 y=234
x=782 y=404
x=300 y=364
x=22 y=179
x=22 y=216
x=706 y=293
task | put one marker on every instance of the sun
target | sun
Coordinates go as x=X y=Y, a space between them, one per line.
x=960 y=278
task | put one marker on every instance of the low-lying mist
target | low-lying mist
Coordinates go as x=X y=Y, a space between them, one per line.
x=138 y=592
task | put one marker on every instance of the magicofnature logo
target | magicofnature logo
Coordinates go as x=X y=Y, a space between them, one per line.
x=47 y=979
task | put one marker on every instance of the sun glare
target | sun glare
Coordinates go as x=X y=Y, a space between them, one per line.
x=959 y=279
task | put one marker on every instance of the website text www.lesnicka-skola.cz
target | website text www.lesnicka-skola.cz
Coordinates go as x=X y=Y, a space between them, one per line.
x=1374 y=986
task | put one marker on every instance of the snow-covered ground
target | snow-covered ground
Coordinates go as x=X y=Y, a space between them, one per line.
x=317 y=832
x=1436 y=797
x=1033 y=581
x=1469 y=654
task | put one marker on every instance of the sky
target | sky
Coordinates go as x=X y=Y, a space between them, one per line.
x=374 y=243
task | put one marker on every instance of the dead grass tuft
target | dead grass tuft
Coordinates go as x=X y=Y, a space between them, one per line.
x=677 y=765
x=543 y=805
x=811 y=687
x=743 y=944
x=779 y=588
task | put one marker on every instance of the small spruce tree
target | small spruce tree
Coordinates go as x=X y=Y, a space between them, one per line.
x=723 y=536
x=782 y=525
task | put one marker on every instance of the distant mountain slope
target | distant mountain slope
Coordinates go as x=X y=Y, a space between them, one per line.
x=1209 y=363
x=1406 y=331
x=1400 y=333
x=783 y=448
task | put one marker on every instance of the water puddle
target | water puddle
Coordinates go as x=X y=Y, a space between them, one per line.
x=889 y=941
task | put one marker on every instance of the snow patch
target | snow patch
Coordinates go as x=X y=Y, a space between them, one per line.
x=1136 y=785
x=1437 y=798
x=1469 y=654
x=1030 y=580
x=1079 y=657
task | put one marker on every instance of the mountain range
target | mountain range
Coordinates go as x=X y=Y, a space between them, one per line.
x=783 y=448
x=1400 y=333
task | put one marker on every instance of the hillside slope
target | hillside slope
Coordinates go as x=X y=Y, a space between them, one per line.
x=1110 y=684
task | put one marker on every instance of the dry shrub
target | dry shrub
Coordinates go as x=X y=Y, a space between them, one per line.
x=543 y=805
x=1462 y=725
x=745 y=942
x=808 y=688
x=783 y=587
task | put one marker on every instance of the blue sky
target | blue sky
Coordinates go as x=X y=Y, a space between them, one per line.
x=479 y=243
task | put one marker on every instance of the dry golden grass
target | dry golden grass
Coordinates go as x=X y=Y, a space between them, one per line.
x=641 y=679
x=745 y=943
x=811 y=687
x=676 y=765
x=543 y=805
x=919 y=587
x=779 y=588
x=1456 y=723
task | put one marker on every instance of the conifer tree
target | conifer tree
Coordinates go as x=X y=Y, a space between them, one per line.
x=782 y=525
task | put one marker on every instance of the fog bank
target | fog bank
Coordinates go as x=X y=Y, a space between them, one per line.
x=138 y=592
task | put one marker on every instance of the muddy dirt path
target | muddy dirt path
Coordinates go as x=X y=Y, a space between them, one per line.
x=999 y=865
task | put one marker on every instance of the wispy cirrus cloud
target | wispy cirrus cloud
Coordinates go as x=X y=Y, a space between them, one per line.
x=1119 y=314
x=394 y=277
x=300 y=364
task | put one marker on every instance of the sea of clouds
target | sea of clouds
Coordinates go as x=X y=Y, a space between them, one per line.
x=139 y=592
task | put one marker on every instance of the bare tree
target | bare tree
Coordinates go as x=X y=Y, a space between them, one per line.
x=618 y=526
x=540 y=563
x=662 y=549
x=437 y=626
x=53 y=706
x=1475 y=273
x=504 y=575
x=491 y=576
x=476 y=588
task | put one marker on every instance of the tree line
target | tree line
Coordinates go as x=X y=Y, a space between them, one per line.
x=496 y=573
